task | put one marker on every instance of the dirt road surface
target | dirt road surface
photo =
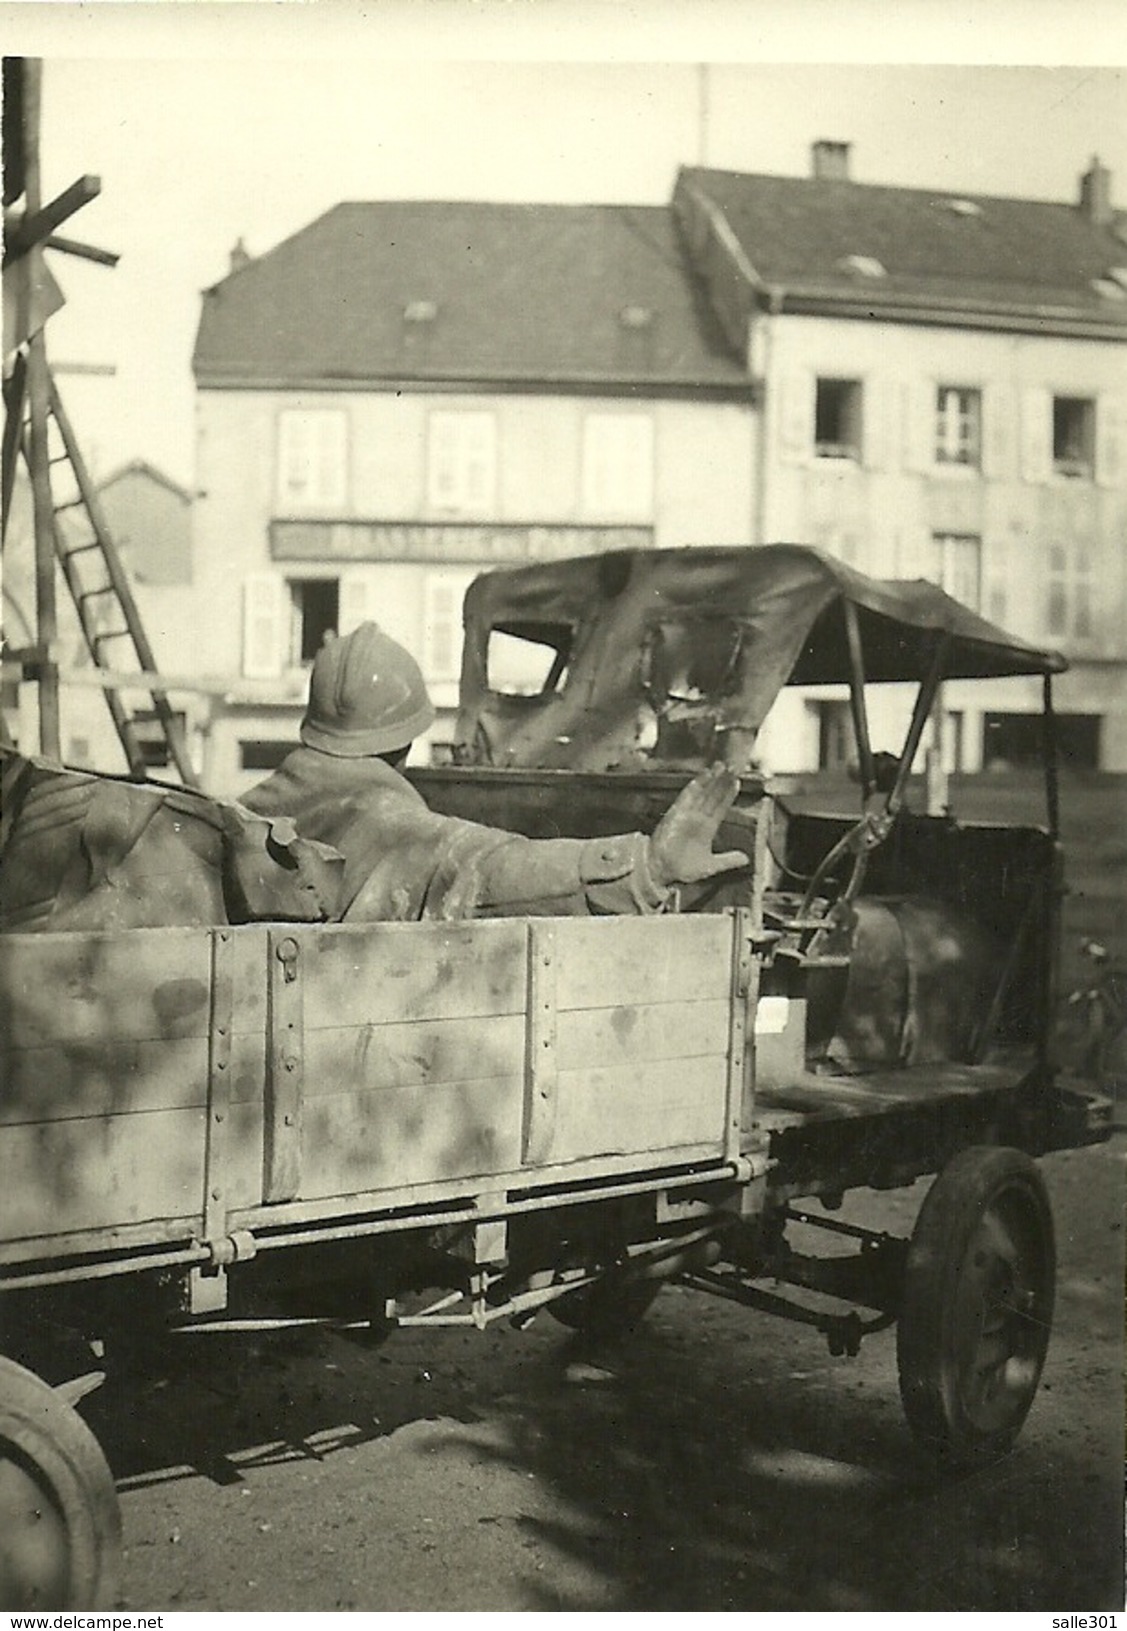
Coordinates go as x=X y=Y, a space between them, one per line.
x=719 y=1460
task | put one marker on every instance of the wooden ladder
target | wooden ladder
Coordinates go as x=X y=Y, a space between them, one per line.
x=99 y=586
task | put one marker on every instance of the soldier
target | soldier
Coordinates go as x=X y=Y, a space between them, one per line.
x=344 y=787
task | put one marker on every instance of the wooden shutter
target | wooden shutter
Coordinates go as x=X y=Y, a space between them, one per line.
x=1036 y=434
x=878 y=423
x=1111 y=428
x=479 y=462
x=356 y=598
x=919 y=426
x=263 y=625
x=442 y=629
x=999 y=411
x=796 y=416
x=442 y=488
x=330 y=471
x=294 y=458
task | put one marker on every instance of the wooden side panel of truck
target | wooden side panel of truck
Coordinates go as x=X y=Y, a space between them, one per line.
x=169 y=1083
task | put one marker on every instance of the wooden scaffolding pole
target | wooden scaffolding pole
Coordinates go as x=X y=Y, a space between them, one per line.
x=38 y=400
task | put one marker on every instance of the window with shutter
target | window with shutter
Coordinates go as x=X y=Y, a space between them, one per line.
x=958 y=426
x=1074 y=436
x=442 y=624
x=838 y=426
x=263 y=654
x=956 y=566
x=462 y=461
x=618 y=465
x=314 y=615
x=312 y=460
x=1069 y=596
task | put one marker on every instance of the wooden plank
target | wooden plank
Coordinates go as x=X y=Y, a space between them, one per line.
x=604 y=962
x=822 y=1097
x=424 y=1054
x=144 y=984
x=122 y=1241
x=111 y=1171
x=644 y=1108
x=93 y=1079
x=372 y=973
x=388 y=1138
x=589 y=1038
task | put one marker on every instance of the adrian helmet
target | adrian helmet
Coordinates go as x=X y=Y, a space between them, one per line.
x=366 y=696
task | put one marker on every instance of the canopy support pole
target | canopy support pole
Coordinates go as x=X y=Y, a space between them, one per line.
x=857 y=701
x=1049 y=734
x=929 y=689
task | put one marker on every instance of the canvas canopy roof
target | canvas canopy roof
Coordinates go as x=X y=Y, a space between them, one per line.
x=777 y=610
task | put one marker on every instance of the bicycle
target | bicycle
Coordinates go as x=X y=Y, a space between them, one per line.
x=1096 y=1026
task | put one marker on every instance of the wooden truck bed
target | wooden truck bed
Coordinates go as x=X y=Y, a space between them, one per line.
x=177 y=1083
x=165 y=1093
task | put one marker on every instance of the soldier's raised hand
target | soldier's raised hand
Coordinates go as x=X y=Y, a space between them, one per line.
x=681 y=844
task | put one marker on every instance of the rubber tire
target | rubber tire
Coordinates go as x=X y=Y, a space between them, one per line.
x=606 y=1308
x=51 y=1464
x=985 y=1197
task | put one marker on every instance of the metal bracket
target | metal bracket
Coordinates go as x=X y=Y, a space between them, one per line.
x=239 y=1247
x=487 y=1241
x=741 y=1032
x=218 y=1086
x=285 y=1071
x=540 y=1062
x=207 y=1291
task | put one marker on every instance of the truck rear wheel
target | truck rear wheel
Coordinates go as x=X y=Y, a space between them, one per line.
x=977 y=1305
x=60 y=1524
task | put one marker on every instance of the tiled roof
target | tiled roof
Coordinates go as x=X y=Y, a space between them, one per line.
x=508 y=293
x=960 y=252
x=149 y=472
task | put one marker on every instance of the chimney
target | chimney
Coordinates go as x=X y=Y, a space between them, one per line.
x=829 y=161
x=1095 y=194
x=240 y=257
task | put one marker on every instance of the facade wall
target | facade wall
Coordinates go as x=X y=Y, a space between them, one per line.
x=1051 y=548
x=402 y=552
x=151 y=525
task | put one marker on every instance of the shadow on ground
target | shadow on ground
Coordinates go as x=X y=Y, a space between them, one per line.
x=717 y=1460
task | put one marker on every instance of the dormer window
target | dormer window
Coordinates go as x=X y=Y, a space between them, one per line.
x=862 y=266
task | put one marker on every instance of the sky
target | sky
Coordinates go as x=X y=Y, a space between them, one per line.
x=212 y=122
